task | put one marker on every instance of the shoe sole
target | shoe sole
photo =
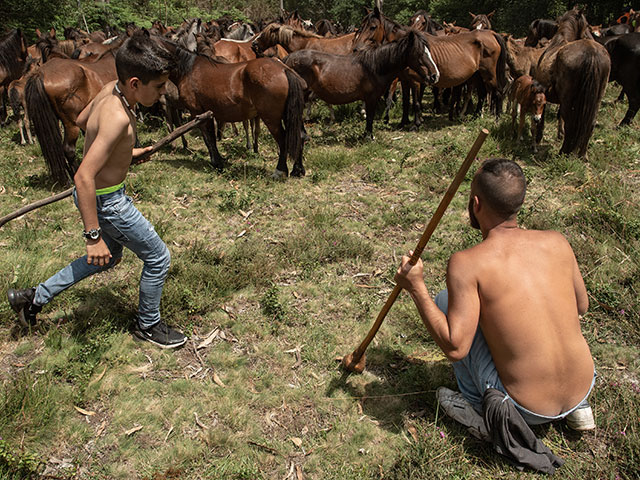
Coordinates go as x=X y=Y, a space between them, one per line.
x=164 y=346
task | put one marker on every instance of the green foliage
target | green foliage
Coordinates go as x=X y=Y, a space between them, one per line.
x=18 y=464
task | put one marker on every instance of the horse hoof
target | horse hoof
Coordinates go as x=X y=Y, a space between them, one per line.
x=298 y=172
x=279 y=175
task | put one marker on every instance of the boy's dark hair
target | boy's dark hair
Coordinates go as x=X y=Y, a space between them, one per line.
x=141 y=56
x=501 y=184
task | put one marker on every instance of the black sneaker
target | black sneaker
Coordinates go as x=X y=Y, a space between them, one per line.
x=161 y=335
x=22 y=303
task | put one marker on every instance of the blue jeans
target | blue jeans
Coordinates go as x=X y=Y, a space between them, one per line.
x=477 y=372
x=122 y=225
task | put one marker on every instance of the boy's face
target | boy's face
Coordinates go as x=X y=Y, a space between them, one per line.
x=149 y=93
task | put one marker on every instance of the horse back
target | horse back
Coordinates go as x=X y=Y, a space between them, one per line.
x=341 y=45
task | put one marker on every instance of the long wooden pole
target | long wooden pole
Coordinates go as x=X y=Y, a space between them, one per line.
x=355 y=361
x=181 y=130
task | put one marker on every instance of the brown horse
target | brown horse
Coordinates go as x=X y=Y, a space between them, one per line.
x=13 y=55
x=527 y=96
x=293 y=39
x=363 y=75
x=458 y=57
x=59 y=91
x=423 y=22
x=234 y=92
x=522 y=60
x=481 y=22
x=574 y=68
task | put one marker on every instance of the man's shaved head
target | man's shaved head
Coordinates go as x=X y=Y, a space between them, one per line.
x=500 y=183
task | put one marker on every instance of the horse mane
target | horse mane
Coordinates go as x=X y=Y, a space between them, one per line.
x=283 y=34
x=571 y=26
x=11 y=50
x=376 y=59
x=184 y=59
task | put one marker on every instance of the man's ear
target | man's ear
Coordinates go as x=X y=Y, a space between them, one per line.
x=477 y=203
x=134 y=83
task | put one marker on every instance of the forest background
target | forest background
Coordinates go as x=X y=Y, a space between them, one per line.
x=512 y=16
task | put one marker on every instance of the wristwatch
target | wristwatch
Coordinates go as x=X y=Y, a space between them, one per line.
x=92 y=234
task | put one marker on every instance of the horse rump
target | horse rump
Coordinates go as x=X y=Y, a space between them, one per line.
x=582 y=93
x=47 y=129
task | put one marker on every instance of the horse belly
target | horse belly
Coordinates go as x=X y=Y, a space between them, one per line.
x=340 y=84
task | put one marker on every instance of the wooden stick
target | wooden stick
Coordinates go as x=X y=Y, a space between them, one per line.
x=355 y=361
x=196 y=122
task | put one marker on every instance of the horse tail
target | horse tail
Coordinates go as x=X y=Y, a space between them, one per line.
x=47 y=130
x=501 y=66
x=293 y=108
x=580 y=105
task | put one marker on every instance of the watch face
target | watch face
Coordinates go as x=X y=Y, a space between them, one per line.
x=94 y=234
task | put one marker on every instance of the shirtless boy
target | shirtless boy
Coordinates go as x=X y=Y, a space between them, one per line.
x=110 y=220
x=509 y=318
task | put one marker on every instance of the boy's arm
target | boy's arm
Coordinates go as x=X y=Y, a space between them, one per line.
x=111 y=130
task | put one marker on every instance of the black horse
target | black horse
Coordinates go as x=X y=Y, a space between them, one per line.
x=625 y=69
x=539 y=29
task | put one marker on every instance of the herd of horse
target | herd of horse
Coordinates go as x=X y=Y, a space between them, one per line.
x=267 y=75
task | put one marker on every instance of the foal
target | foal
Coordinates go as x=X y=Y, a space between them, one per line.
x=527 y=96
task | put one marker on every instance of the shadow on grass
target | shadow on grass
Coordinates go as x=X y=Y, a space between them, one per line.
x=403 y=386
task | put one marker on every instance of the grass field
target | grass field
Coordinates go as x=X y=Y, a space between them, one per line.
x=280 y=278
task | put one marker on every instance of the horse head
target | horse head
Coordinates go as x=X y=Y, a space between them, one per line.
x=420 y=59
x=376 y=29
x=481 y=22
x=269 y=37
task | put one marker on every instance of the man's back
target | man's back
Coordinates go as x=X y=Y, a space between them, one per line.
x=531 y=293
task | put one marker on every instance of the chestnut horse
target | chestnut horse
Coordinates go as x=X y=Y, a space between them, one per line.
x=527 y=96
x=458 y=57
x=59 y=91
x=234 y=92
x=293 y=39
x=363 y=75
x=574 y=68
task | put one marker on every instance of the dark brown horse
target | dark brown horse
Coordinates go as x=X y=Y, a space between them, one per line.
x=59 y=91
x=293 y=39
x=481 y=22
x=574 y=68
x=234 y=92
x=363 y=75
x=423 y=22
x=13 y=56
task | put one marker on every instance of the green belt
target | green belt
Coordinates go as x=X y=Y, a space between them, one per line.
x=104 y=191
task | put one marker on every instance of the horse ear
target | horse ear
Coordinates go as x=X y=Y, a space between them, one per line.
x=491 y=14
x=473 y=15
x=38 y=34
x=376 y=12
x=52 y=33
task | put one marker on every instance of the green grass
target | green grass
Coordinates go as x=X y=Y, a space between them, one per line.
x=292 y=275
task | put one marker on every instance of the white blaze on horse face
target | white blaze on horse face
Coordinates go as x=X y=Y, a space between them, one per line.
x=435 y=67
x=479 y=26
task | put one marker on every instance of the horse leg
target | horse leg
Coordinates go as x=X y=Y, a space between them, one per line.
x=534 y=143
x=370 y=106
x=208 y=134
x=405 y=103
x=523 y=116
x=437 y=107
x=560 y=126
x=634 y=104
x=247 y=135
x=255 y=124
x=515 y=107
x=417 y=110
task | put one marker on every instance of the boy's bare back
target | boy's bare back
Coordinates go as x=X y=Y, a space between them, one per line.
x=531 y=293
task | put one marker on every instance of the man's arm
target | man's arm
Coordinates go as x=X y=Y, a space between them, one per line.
x=111 y=130
x=453 y=332
x=582 y=298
